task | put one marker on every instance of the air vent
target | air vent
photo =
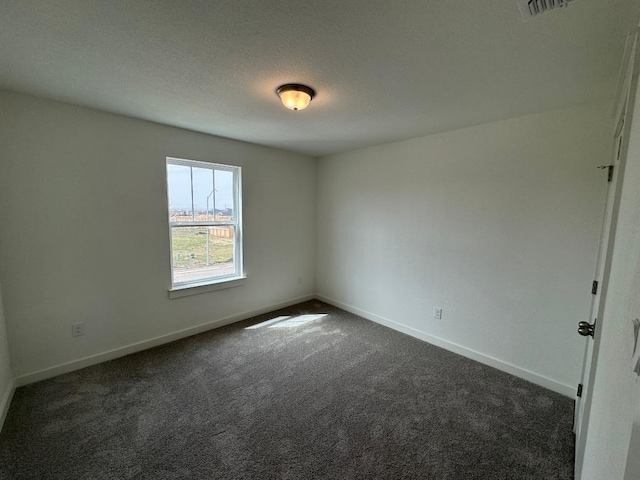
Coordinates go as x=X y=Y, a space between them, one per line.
x=533 y=8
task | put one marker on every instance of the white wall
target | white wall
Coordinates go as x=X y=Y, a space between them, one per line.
x=612 y=439
x=497 y=224
x=84 y=236
x=6 y=375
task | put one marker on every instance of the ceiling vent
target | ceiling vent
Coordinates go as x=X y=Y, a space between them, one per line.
x=533 y=8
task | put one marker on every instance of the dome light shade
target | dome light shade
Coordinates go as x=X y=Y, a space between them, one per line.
x=295 y=96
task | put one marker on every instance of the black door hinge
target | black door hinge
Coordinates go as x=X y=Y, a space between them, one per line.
x=610 y=167
x=594 y=287
x=579 y=394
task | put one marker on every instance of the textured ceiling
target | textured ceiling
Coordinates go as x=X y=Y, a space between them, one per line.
x=384 y=70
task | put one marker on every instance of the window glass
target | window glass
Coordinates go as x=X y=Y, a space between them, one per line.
x=179 y=185
x=203 y=200
x=224 y=194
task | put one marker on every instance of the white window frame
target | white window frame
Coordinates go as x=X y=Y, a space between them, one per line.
x=179 y=289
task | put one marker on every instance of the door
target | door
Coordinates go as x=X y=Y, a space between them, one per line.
x=593 y=324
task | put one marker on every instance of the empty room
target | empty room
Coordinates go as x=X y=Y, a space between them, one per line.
x=319 y=240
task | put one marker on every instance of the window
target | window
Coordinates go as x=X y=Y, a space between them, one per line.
x=205 y=221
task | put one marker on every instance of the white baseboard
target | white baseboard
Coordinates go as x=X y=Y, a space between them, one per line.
x=523 y=373
x=6 y=402
x=153 y=342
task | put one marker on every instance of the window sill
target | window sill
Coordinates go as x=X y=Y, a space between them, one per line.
x=198 y=288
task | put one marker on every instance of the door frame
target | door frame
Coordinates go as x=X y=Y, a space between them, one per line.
x=625 y=102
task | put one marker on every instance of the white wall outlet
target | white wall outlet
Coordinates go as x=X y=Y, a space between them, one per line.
x=437 y=313
x=77 y=329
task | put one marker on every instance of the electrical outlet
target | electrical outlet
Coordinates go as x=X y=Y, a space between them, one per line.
x=299 y=280
x=437 y=313
x=77 y=329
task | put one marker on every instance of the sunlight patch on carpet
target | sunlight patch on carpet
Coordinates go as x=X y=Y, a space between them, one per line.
x=298 y=321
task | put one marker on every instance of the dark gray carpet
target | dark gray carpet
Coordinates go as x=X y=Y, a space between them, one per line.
x=338 y=397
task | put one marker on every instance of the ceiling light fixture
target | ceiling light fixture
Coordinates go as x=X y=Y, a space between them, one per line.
x=295 y=96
